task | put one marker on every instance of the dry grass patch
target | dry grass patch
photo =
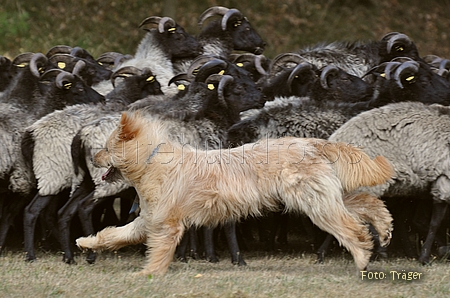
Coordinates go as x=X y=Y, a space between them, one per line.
x=294 y=275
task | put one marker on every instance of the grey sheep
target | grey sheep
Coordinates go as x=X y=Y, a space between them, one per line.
x=415 y=138
x=50 y=140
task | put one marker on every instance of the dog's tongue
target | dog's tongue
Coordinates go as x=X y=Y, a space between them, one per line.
x=107 y=173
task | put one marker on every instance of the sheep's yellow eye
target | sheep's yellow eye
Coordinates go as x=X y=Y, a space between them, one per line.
x=21 y=65
x=181 y=87
x=409 y=79
x=383 y=75
x=67 y=86
x=61 y=65
x=150 y=79
x=237 y=24
x=240 y=64
x=172 y=30
x=211 y=86
x=399 y=49
x=221 y=72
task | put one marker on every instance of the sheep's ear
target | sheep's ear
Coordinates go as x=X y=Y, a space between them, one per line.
x=128 y=127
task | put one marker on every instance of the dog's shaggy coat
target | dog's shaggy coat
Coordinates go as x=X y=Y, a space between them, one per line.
x=180 y=186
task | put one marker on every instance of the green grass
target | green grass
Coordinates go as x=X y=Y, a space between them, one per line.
x=101 y=26
x=291 y=275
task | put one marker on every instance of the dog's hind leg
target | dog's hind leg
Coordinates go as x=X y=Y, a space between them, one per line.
x=162 y=243
x=113 y=238
x=371 y=210
x=350 y=233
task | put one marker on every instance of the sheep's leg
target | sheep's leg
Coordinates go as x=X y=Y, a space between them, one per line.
x=113 y=238
x=85 y=212
x=437 y=215
x=32 y=211
x=85 y=208
x=323 y=249
x=180 y=252
x=65 y=215
x=208 y=241
x=10 y=211
x=233 y=246
x=402 y=223
x=162 y=242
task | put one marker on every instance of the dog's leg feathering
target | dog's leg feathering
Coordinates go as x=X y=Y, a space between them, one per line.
x=113 y=238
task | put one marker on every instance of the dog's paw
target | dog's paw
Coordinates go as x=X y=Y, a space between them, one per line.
x=143 y=273
x=85 y=242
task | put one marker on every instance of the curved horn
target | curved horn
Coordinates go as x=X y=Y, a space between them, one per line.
x=35 y=59
x=444 y=67
x=394 y=38
x=62 y=77
x=432 y=59
x=61 y=60
x=50 y=74
x=197 y=64
x=81 y=53
x=210 y=67
x=163 y=22
x=327 y=71
x=256 y=60
x=22 y=59
x=302 y=67
x=223 y=80
x=79 y=66
x=390 y=66
x=109 y=57
x=59 y=49
x=412 y=66
x=180 y=77
x=228 y=15
x=150 y=20
x=258 y=64
x=280 y=60
x=212 y=11
x=124 y=72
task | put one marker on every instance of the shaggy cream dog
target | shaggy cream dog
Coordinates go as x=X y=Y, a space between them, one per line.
x=180 y=186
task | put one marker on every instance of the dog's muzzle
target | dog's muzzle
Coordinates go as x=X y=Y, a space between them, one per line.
x=109 y=173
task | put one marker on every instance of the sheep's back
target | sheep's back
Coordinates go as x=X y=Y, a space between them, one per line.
x=413 y=136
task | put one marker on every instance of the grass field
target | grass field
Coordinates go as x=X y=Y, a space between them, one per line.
x=288 y=25
x=287 y=275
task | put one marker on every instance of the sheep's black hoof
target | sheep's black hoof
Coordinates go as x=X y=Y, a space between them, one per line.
x=425 y=261
x=240 y=263
x=30 y=259
x=69 y=261
x=320 y=258
x=182 y=259
x=212 y=259
x=194 y=255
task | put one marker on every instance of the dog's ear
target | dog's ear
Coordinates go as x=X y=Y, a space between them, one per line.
x=128 y=127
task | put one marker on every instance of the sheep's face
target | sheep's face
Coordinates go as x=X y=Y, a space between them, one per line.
x=349 y=88
x=180 y=43
x=245 y=37
x=243 y=93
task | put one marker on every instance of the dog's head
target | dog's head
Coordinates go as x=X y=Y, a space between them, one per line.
x=119 y=148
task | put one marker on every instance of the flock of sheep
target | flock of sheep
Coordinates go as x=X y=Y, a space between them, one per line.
x=217 y=90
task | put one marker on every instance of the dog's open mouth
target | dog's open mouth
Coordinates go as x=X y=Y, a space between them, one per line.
x=109 y=173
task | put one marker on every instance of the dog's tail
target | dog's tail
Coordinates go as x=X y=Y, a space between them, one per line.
x=354 y=167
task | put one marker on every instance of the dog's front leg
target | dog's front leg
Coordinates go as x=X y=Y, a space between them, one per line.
x=162 y=243
x=113 y=238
